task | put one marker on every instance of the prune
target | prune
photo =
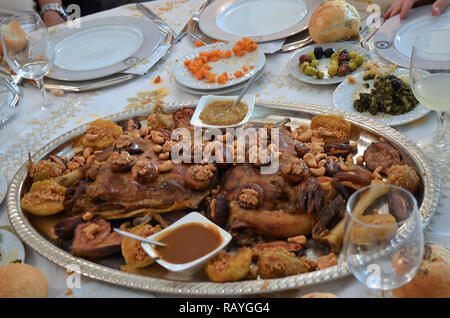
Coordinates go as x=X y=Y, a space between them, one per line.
x=328 y=52
x=318 y=52
x=304 y=58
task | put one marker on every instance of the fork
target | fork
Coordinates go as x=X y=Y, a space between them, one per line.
x=195 y=18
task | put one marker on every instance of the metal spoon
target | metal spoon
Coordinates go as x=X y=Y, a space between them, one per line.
x=250 y=81
x=139 y=238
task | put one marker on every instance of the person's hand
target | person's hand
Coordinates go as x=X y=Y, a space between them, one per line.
x=52 y=18
x=403 y=6
x=439 y=6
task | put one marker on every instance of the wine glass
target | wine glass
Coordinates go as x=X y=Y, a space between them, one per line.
x=33 y=59
x=383 y=237
x=430 y=83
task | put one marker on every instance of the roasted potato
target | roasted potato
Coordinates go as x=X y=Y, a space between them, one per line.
x=225 y=267
x=332 y=128
x=45 y=198
x=132 y=251
x=101 y=134
x=379 y=227
x=280 y=263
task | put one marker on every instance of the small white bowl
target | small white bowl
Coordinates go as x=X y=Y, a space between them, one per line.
x=205 y=100
x=194 y=266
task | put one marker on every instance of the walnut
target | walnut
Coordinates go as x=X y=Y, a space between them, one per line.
x=157 y=137
x=121 y=162
x=199 y=177
x=123 y=141
x=295 y=171
x=203 y=173
x=145 y=170
x=168 y=146
x=249 y=196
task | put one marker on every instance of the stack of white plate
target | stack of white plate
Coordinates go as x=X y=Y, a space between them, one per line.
x=187 y=82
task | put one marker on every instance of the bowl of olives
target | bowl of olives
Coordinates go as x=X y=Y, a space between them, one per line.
x=327 y=63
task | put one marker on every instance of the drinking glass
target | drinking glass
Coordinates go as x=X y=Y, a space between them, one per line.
x=383 y=238
x=35 y=59
x=430 y=83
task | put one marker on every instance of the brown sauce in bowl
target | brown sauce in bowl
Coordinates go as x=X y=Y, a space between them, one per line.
x=188 y=242
x=222 y=113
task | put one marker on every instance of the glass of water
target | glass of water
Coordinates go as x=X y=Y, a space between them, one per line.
x=383 y=238
x=28 y=48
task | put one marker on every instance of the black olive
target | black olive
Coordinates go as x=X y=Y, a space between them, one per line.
x=328 y=52
x=318 y=52
x=390 y=77
x=396 y=84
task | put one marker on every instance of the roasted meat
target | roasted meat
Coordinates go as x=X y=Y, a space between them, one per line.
x=124 y=185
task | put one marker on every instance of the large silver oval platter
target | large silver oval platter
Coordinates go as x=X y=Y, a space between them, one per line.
x=108 y=270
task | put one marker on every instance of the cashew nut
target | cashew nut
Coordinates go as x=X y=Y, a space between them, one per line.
x=306 y=136
x=87 y=216
x=90 y=230
x=321 y=163
x=320 y=156
x=90 y=161
x=87 y=152
x=165 y=166
x=157 y=136
x=299 y=239
x=158 y=148
x=317 y=171
x=309 y=159
x=164 y=156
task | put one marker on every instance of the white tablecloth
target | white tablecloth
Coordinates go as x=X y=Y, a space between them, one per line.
x=32 y=128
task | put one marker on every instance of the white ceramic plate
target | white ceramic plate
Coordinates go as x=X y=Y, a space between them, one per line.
x=102 y=47
x=184 y=77
x=346 y=93
x=262 y=20
x=394 y=40
x=97 y=47
x=324 y=63
x=11 y=248
x=220 y=91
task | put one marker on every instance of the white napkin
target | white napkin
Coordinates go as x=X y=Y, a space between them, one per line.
x=142 y=67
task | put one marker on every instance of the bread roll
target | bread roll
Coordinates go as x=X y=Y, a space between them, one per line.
x=334 y=21
x=19 y=280
x=433 y=277
x=14 y=37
